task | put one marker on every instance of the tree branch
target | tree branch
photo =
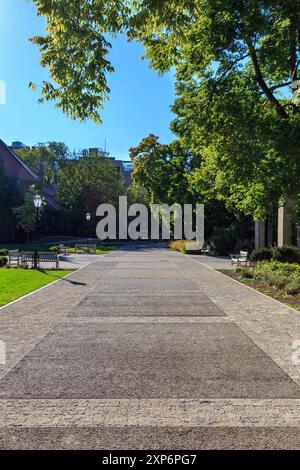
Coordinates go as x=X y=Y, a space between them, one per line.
x=228 y=69
x=260 y=80
x=236 y=61
x=293 y=59
x=281 y=85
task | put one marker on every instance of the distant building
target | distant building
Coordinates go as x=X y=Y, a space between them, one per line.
x=128 y=170
x=97 y=152
x=124 y=168
x=119 y=165
x=128 y=166
x=15 y=167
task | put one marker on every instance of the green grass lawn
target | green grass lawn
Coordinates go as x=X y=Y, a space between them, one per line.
x=31 y=247
x=100 y=249
x=15 y=283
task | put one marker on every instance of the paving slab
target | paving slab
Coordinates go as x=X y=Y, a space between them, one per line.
x=273 y=326
x=144 y=438
x=97 y=305
x=147 y=361
x=214 y=262
x=141 y=257
x=145 y=265
x=26 y=321
x=146 y=274
x=156 y=285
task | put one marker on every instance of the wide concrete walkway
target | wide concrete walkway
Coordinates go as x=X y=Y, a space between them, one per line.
x=148 y=348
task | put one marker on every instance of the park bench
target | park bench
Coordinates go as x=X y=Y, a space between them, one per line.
x=14 y=257
x=80 y=248
x=205 y=250
x=27 y=257
x=43 y=257
x=240 y=259
x=63 y=250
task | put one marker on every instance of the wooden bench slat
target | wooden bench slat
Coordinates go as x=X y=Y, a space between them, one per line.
x=240 y=258
x=85 y=248
x=44 y=257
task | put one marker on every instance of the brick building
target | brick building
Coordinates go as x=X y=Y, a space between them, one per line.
x=16 y=168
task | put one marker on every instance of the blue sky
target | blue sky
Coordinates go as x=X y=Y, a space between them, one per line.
x=139 y=103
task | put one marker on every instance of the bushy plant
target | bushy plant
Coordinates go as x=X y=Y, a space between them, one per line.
x=247 y=274
x=244 y=245
x=178 y=245
x=54 y=249
x=286 y=269
x=3 y=252
x=293 y=287
x=223 y=240
x=276 y=280
x=261 y=254
x=3 y=260
x=283 y=277
x=286 y=254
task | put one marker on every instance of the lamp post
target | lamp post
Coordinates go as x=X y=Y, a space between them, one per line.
x=37 y=201
x=88 y=218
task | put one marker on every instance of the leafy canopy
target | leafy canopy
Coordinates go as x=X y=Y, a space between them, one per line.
x=86 y=182
x=235 y=61
x=161 y=170
x=45 y=158
x=214 y=33
x=26 y=213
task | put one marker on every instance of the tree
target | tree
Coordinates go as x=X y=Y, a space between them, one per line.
x=248 y=156
x=86 y=182
x=75 y=49
x=232 y=59
x=45 y=159
x=225 y=33
x=76 y=45
x=26 y=213
x=161 y=170
x=169 y=174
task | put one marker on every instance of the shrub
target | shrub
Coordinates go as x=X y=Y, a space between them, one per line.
x=178 y=245
x=286 y=269
x=281 y=276
x=3 y=252
x=54 y=249
x=3 y=260
x=293 y=287
x=286 y=254
x=277 y=280
x=261 y=254
x=243 y=245
x=223 y=240
x=247 y=274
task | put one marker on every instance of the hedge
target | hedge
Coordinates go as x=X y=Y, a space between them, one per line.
x=3 y=260
x=261 y=254
x=284 y=254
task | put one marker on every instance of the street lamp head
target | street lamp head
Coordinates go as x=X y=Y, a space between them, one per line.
x=37 y=200
x=88 y=216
